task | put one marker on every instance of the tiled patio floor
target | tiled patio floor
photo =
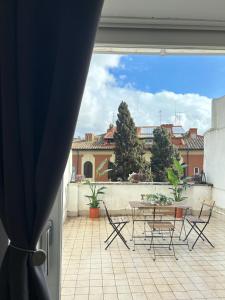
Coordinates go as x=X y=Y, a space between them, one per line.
x=90 y=272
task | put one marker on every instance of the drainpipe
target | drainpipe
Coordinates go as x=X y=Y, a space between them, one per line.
x=78 y=159
x=187 y=162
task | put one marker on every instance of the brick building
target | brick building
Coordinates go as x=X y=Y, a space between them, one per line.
x=93 y=149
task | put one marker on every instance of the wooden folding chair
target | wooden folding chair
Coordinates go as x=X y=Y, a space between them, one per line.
x=194 y=222
x=161 y=225
x=117 y=224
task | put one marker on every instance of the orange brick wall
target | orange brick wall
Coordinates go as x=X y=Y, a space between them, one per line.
x=192 y=161
x=77 y=160
x=98 y=160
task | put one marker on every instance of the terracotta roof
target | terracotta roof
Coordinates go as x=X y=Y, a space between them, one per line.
x=97 y=145
x=189 y=144
x=193 y=143
x=110 y=133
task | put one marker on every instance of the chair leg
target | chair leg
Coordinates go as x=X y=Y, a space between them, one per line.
x=185 y=233
x=150 y=246
x=132 y=236
x=111 y=233
x=117 y=231
x=200 y=235
x=188 y=232
x=171 y=243
x=153 y=246
x=181 y=230
x=145 y=227
x=192 y=228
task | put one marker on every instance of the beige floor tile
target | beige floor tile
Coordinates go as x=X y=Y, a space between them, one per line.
x=96 y=290
x=195 y=294
x=123 y=289
x=124 y=296
x=109 y=289
x=110 y=297
x=163 y=287
x=167 y=296
x=81 y=297
x=67 y=297
x=153 y=296
x=82 y=291
x=90 y=272
x=67 y=291
x=139 y=296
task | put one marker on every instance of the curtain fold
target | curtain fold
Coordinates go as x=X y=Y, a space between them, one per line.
x=45 y=51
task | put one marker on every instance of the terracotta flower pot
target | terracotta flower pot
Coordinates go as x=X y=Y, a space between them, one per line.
x=179 y=213
x=94 y=213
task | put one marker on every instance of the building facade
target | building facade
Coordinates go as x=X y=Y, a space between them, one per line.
x=90 y=152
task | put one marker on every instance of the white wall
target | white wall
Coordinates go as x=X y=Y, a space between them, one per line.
x=118 y=195
x=214 y=152
x=65 y=183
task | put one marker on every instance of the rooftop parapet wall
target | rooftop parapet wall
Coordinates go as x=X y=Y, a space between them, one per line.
x=118 y=195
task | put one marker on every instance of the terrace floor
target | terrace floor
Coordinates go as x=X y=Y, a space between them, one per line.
x=89 y=272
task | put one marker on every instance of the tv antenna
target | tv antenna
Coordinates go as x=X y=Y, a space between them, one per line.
x=178 y=118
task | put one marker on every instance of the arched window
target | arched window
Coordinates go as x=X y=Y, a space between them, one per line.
x=88 y=169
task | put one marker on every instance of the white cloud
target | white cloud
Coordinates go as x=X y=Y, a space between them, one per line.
x=102 y=97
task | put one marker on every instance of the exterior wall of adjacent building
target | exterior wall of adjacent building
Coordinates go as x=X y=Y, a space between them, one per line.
x=193 y=159
x=214 y=161
x=96 y=157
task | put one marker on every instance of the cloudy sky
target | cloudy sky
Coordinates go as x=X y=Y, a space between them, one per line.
x=154 y=87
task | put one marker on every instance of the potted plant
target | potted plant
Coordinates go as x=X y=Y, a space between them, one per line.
x=94 y=201
x=175 y=176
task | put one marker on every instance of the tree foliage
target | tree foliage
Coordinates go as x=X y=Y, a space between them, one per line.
x=162 y=154
x=128 y=149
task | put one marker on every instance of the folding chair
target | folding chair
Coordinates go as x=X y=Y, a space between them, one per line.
x=194 y=221
x=163 y=226
x=117 y=224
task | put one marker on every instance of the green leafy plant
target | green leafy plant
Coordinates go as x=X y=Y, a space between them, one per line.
x=159 y=199
x=94 y=200
x=175 y=176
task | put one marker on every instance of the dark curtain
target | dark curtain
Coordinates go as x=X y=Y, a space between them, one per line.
x=3 y=242
x=45 y=50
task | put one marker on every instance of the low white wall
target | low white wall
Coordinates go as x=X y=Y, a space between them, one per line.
x=118 y=195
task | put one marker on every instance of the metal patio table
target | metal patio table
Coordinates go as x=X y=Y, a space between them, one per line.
x=142 y=205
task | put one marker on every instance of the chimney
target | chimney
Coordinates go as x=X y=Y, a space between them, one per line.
x=89 y=137
x=168 y=127
x=192 y=133
x=138 y=131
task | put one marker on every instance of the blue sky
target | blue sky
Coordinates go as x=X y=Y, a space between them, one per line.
x=204 y=75
x=151 y=84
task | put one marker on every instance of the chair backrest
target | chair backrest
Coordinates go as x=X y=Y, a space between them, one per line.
x=209 y=207
x=107 y=213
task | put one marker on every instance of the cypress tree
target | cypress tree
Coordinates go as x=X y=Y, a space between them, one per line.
x=128 y=149
x=162 y=154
